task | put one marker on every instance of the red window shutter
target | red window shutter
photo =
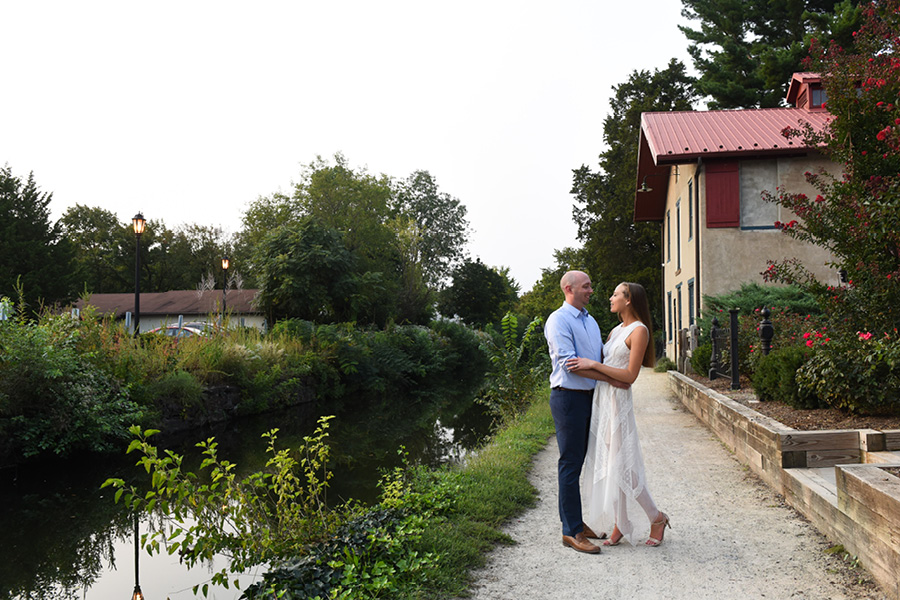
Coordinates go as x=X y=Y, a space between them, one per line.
x=723 y=204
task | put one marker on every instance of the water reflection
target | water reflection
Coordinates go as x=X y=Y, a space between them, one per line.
x=63 y=537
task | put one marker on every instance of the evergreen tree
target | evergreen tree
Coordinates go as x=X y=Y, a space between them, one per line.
x=746 y=50
x=33 y=251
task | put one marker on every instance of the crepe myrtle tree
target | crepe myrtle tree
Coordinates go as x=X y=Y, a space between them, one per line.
x=856 y=213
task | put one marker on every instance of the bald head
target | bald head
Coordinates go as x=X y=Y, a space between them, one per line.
x=576 y=285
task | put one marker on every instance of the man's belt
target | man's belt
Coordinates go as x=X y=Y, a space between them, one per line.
x=562 y=389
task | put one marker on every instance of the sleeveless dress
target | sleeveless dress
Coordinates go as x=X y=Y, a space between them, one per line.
x=614 y=475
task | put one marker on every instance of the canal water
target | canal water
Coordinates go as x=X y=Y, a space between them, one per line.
x=61 y=536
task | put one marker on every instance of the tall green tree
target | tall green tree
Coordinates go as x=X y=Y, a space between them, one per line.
x=407 y=233
x=440 y=220
x=479 y=294
x=33 y=251
x=616 y=248
x=746 y=50
x=306 y=271
x=96 y=237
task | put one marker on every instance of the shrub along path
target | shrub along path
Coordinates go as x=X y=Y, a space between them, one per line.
x=731 y=537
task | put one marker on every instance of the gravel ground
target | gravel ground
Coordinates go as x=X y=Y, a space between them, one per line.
x=731 y=536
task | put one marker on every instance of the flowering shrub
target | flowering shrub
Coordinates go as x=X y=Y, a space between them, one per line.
x=856 y=373
x=856 y=213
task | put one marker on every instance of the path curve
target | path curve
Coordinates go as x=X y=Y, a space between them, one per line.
x=732 y=537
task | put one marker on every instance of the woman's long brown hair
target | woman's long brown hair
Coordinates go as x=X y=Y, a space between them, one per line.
x=641 y=306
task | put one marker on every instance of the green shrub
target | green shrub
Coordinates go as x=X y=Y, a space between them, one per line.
x=666 y=364
x=700 y=359
x=516 y=368
x=178 y=394
x=859 y=374
x=52 y=398
x=752 y=296
x=775 y=378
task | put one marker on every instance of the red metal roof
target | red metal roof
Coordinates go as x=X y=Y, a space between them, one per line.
x=672 y=138
x=679 y=137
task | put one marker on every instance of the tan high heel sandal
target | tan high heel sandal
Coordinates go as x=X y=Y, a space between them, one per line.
x=664 y=521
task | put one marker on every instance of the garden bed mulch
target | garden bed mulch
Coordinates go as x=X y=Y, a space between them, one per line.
x=803 y=419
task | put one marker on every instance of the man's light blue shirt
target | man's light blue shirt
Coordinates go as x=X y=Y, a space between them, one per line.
x=570 y=333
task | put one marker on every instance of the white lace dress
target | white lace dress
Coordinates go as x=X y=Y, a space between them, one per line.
x=614 y=476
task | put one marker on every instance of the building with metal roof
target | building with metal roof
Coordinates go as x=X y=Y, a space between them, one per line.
x=159 y=309
x=702 y=175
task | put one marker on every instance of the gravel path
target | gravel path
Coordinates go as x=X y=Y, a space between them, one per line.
x=731 y=537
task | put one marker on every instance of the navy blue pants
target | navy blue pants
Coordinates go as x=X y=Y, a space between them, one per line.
x=572 y=416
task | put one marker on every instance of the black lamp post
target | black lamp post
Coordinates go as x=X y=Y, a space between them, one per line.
x=224 y=286
x=138 y=223
x=137 y=594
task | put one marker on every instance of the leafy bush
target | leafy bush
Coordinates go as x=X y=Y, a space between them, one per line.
x=859 y=374
x=666 y=364
x=177 y=394
x=775 y=378
x=700 y=359
x=52 y=400
x=517 y=368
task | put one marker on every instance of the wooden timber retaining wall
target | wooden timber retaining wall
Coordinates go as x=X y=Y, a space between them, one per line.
x=863 y=514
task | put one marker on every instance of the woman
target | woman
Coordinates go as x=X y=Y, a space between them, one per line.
x=615 y=484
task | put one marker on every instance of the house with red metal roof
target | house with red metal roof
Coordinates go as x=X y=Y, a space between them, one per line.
x=701 y=175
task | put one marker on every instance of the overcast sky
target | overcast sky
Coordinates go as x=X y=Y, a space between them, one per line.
x=190 y=110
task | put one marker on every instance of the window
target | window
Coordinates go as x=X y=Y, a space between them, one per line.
x=678 y=231
x=690 y=210
x=678 y=302
x=668 y=236
x=723 y=208
x=670 y=316
x=818 y=95
x=758 y=176
x=690 y=302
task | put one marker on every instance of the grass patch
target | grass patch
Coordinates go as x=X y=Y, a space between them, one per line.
x=492 y=488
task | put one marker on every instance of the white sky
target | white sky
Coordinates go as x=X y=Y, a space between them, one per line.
x=190 y=110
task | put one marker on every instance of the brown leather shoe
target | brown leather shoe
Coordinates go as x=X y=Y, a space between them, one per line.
x=589 y=533
x=580 y=543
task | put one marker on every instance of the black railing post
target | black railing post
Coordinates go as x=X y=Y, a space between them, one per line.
x=735 y=376
x=766 y=332
x=714 y=359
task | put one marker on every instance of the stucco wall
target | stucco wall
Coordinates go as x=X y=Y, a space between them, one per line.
x=735 y=255
x=732 y=256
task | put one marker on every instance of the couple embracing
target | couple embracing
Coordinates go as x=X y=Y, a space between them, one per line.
x=593 y=411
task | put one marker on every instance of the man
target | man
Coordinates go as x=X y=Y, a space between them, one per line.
x=572 y=332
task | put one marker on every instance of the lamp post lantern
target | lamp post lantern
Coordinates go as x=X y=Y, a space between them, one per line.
x=138 y=223
x=224 y=286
